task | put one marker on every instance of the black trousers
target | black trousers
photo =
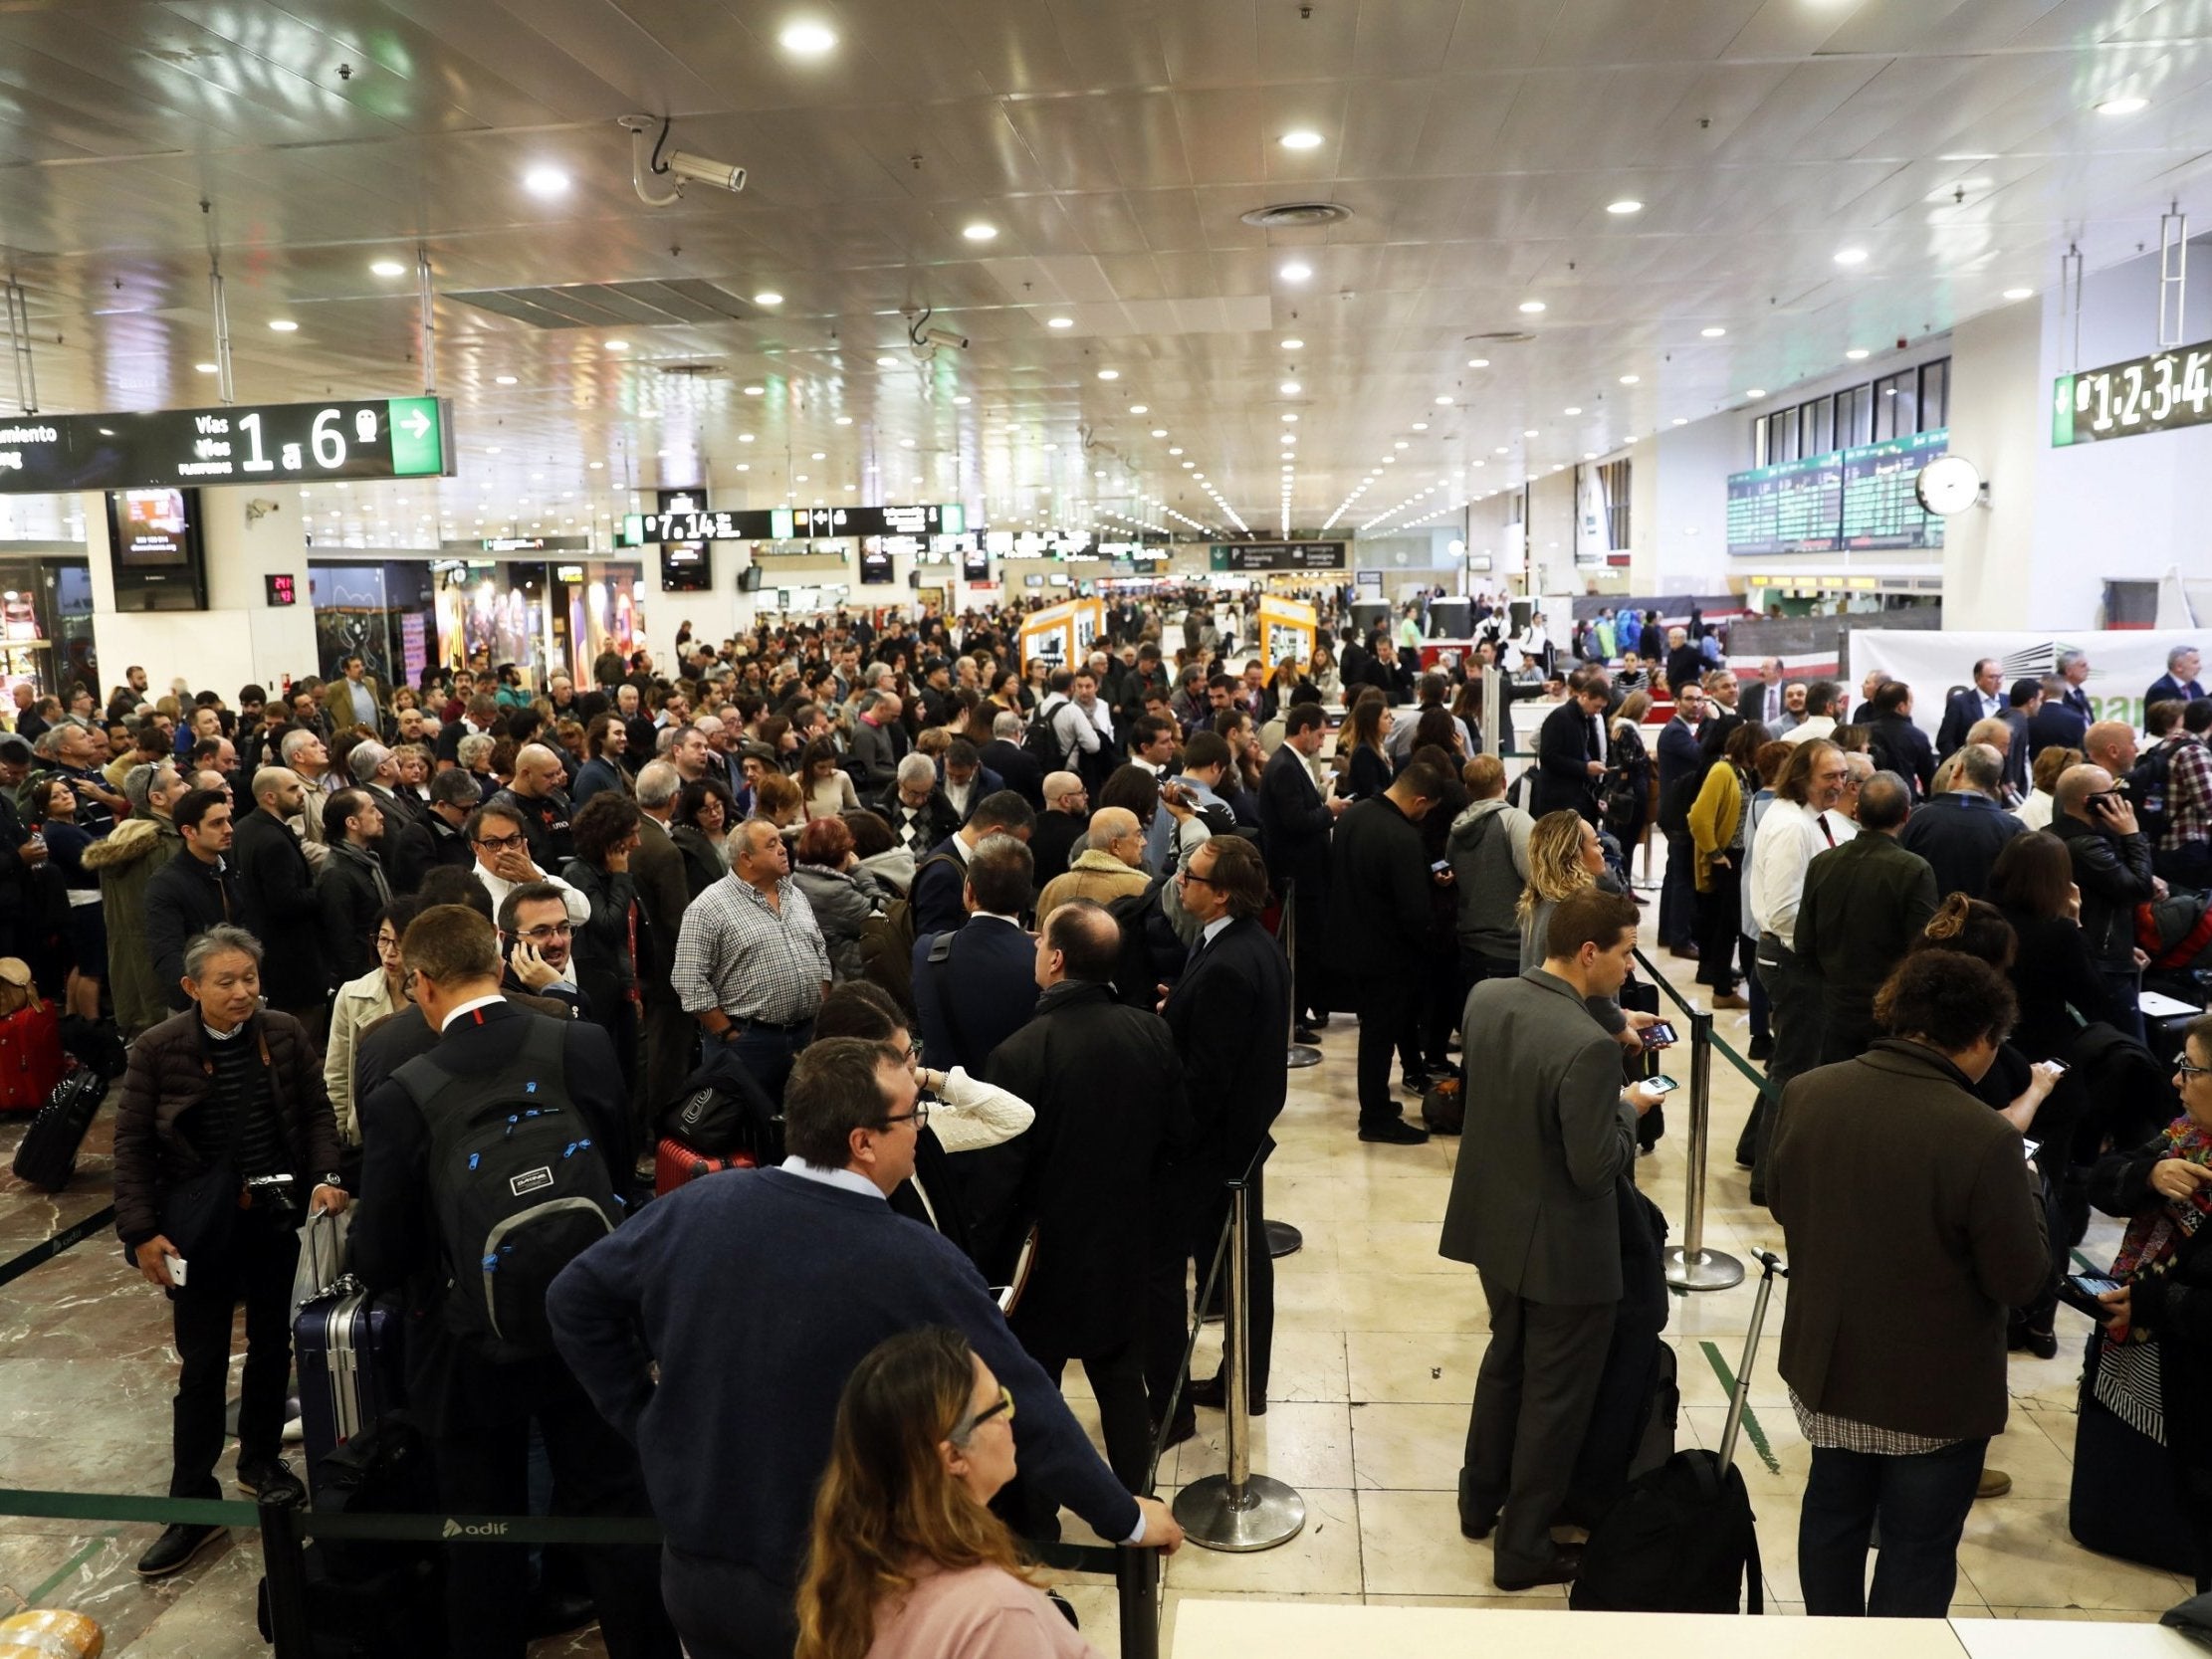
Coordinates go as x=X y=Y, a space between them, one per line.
x=1720 y=927
x=671 y=1055
x=1187 y=1225
x=1309 y=957
x=1117 y=1378
x=256 y=1270
x=1441 y=1003
x=728 y=1611
x=1390 y=1019
x=482 y=1465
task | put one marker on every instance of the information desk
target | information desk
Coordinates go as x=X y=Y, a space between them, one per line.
x=1207 y=1629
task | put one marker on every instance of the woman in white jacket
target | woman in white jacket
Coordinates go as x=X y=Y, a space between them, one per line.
x=359 y=1004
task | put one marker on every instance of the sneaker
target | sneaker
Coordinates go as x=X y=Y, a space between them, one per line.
x=1417 y=1083
x=173 y=1551
x=1995 y=1483
x=295 y=1431
x=1394 y=1132
x=273 y=1480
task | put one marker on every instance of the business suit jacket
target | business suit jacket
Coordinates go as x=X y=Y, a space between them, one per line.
x=1293 y=824
x=1533 y=1201
x=396 y=1239
x=1680 y=755
x=1960 y=836
x=405 y=846
x=1864 y=904
x=1565 y=747
x=1379 y=912
x=657 y=869
x=280 y=908
x=337 y=704
x=1900 y=746
x=2166 y=688
x=1231 y=1015
x=1960 y=711
x=991 y=978
x=1019 y=767
x=2056 y=726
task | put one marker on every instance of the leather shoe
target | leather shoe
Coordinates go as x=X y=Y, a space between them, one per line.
x=173 y=1551
x=1307 y=1035
x=1394 y=1132
x=1995 y=1483
x=1212 y=1392
x=556 y=1612
x=1185 y=1428
x=1730 y=1000
x=1688 y=953
x=1762 y=1048
x=1478 y=1530
x=272 y=1479
x=1560 y=1570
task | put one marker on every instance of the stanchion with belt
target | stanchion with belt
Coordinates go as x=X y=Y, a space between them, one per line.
x=1302 y=1055
x=1239 y=1510
x=1689 y=1266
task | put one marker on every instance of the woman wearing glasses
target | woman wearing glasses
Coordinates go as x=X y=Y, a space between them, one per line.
x=907 y=1561
x=359 y=1004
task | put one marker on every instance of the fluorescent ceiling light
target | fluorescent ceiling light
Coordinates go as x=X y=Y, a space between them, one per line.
x=1059 y=323
x=980 y=232
x=2125 y=104
x=1293 y=346
x=1532 y=306
x=545 y=181
x=768 y=296
x=1303 y=138
x=1296 y=272
x=1629 y=380
x=283 y=325
x=387 y=268
x=617 y=345
x=1851 y=256
x=1712 y=334
x=808 y=39
x=1626 y=205
x=2020 y=293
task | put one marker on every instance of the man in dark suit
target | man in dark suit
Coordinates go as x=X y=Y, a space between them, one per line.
x=1294 y=823
x=1981 y=700
x=1680 y=758
x=965 y=779
x=1686 y=664
x=475 y=1411
x=1533 y=1208
x=1570 y=754
x=1231 y=1015
x=282 y=906
x=1897 y=743
x=1864 y=904
x=1003 y=754
x=2057 y=723
x=1961 y=831
x=2179 y=683
x=1062 y=823
x=1088 y=1169
x=2022 y=702
x=975 y=986
x=937 y=896
x=2074 y=669
x=657 y=871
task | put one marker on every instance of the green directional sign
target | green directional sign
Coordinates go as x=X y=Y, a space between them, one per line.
x=417 y=436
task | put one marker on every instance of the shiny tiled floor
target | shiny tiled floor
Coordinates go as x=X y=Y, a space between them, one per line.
x=1377 y=1345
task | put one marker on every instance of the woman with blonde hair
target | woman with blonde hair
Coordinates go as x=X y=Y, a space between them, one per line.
x=1564 y=857
x=907 y=1561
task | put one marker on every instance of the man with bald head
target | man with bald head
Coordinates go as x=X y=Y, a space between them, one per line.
x=1962 y=829
x=2112 y=866
x=280 y=904
x=2111 y=744
x=1113 y=864
x=1864 y=904
x=537 y=801
x=1067 y=804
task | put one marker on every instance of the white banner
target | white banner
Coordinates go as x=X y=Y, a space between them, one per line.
x=2124 y=664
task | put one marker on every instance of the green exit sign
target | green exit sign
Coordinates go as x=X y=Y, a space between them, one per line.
x=417 y=436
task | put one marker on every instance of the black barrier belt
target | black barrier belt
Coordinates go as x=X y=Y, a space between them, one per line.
x=46 y=1249
x=1660 y=980
x=1758 y=1079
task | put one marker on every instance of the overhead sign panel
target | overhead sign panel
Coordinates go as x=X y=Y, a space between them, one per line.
x=1857 y=500
x=2158 y=393
x=788 y=523
x=243 y=442
x=1278 y=556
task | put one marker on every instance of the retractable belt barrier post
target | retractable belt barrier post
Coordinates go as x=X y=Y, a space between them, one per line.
x=1302 y=1055
x=1689 y=1265
x=1239 y=1510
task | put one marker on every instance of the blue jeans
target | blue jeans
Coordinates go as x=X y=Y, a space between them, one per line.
x=1920 y=1502
x=767 y=1054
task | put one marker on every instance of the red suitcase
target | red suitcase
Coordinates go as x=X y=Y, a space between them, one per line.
x=31 y=1059
x=675 y=1164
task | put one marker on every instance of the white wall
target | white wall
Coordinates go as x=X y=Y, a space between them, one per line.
x=1999 y=424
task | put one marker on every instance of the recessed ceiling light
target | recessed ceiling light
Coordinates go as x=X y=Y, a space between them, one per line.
x=1629 y=380
x=1712 y=334
x=1401 y=444
x=1680 y=420
x=205 y=369
x=1297 y=271
x=1159 y=432
x=798 y=478
x=1756 y=391
x=1139 y=408
x=887 y=362
x=1420 y=426
x=1303 y=138
x=1851 y=256
x=283 y=325
x=387 y=268
x=491 y=448
x=2020 y=293
x=1526 y=432
x=1627 y=204
x=817 y=455
x=617 y=345
x=1502 y=450
x=744 y=437
x=754 y=391
x=979 y=231
x=1443 y=399
x=1175 y=448
x=598 y=465
x=545 y=181
x=2125 y=104
x=1290 y=418
x=1857 y=353
x=1293 y=346
x=1059 y=323
x=1109 y=374
x=1574 y=408
x=808 y=40
x=768 y=296
x=963 y=399
x=502 y=379
x=1532 y=306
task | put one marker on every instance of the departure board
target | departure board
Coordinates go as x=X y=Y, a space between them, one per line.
x=1881 y=505
x=1793 y=506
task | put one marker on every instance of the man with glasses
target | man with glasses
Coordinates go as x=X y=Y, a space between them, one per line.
x=750 y=964
x=536 y=939
x=503 y=861
x=827 y=1270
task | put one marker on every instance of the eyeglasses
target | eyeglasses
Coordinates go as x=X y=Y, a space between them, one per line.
x=505 y=843
x=540 y=936
x=1189 y=875
x=2187 y=1069
x=966 y=1426
x=387 y=943
x=919 y=1116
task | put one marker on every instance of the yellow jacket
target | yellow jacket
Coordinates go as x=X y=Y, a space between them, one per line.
x=1713 y=818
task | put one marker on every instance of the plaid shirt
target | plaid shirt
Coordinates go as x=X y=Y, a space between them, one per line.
x=2188 y=794
x=1844 y=1434
x=754 y=963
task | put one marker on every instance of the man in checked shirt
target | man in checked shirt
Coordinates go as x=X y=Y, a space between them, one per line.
x=751 y=966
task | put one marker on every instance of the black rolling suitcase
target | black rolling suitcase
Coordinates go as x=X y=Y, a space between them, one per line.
x=1682 y=1538
x=346 y=1344
x=48 y=1157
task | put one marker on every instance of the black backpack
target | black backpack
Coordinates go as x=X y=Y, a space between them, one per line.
x=1146 y=938
x=2150 y=789
x=518 y=1186
x=1041 y=743
x=1681 y=1539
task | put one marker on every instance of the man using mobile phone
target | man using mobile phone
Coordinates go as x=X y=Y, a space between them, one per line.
x=2112 y=866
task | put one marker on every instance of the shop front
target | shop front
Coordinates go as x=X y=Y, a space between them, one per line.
x=46 y=625
x=382 y=612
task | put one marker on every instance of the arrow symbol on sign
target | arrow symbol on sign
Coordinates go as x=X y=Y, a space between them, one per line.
x=417 y=423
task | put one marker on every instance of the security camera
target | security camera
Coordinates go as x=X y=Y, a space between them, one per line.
x=941 y=336
x=258 y=509
x=656 y=160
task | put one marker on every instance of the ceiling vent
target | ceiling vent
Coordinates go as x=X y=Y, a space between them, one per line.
x=611 y=304
x=1290 y=216
x=691 y=371
x=1502 y=336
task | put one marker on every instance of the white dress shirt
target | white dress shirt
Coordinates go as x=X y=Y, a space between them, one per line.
x=1790 y=837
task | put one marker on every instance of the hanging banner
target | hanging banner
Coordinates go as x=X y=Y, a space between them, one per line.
x=1287 y=629
x=1062 y=635
x=2124 y=664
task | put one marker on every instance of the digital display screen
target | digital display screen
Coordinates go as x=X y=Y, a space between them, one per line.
x=1794 y=506
x=1278 y=556
x=1882 y=501
x=687 y=567
x=875 y=562
x=1858 y=500
x=397 y=437
x=153 y=529
x=2159 y=393
x=974 y=565
x=283 y=590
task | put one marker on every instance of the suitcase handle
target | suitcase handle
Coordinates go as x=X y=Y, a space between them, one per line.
x=1771 y=1268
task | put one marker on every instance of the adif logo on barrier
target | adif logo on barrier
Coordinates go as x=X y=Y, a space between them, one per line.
x=487 y=1529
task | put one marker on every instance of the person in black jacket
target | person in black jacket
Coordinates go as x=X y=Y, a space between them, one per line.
x=353 y=888
x=1230 y=1016
x=1961 y=831
x=193 y=892
x=974 y=985
x=1089 y=1169
x=2112 y=866
x=404 y=848
x=477 y=1411
x=1568 y=755
x=1003 y=754
x=606 y=835
x=1965 y=707
x=1896 y=742
x=935 y=900
x=1380 y=919
x=1295 y=818
x=277 y=886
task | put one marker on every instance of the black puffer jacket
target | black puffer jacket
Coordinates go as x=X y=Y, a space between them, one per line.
x=170 y=1075
x=2113 y=874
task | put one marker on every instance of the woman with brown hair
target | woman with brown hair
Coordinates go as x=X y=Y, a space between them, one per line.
x=826 y=785
x=907 y=1561
x=1367 y=772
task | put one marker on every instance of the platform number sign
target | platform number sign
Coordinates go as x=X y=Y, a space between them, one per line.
x=2159 y=393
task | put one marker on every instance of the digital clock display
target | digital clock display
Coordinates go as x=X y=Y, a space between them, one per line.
x=282 y=590
x=2159 y=393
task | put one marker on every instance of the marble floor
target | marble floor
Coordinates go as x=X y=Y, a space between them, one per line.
x=1376 y=1348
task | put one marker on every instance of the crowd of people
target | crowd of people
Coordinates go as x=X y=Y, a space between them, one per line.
x=461 y=951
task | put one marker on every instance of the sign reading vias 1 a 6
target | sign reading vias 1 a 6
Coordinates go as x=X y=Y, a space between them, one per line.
x=241 y=442
x=2148 y=394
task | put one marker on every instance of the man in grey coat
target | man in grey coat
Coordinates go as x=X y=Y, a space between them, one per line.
x=1533 y=1209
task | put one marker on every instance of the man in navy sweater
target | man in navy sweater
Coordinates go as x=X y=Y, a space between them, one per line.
x=756 y=1293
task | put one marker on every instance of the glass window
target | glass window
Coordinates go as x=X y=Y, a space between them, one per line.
x=1815 y=427
x=1935 y=394
x=1782 y=436
x=1853 y=417
x=1614 y=480
x=1759 y=442
x=1896 y=406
